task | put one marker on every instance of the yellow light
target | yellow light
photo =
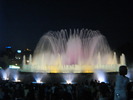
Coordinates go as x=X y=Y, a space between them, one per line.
x=54 y=71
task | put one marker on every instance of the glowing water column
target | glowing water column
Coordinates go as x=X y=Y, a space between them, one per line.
x=24 y=60
x=30 y=59
x=122 y=59
x=77 y=51
x=26 y=64
x=115 y=65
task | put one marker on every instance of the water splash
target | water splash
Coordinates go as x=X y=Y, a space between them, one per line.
x=69 y=78
x=100 y=76
x=38 y=77
x=130 y=73
x=15 y=75
x=78 y=51
x=5 y=74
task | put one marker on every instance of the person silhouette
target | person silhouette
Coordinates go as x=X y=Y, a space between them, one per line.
x=121 y=83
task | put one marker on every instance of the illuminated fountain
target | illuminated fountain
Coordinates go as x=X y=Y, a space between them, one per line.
x=69 y=78
x=10 y=74
x=100 y=76
x=15 y=76
x=38 y=78
x=78 y=51
x=5 y=74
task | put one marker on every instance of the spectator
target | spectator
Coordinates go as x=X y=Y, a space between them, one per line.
x=121 y=84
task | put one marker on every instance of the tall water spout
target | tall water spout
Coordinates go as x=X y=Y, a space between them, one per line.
x=24 y=60
x=30 y=59
x=122 y=59
x=115 y=58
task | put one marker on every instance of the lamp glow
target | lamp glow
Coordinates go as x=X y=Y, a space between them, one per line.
x=17 y=81
x=18 y=51
x=68 y=82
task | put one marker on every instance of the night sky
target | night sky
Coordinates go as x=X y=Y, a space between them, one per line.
x=23 y=22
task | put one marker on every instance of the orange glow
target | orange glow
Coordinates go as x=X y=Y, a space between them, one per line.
x=54 y=71
x=87 y=71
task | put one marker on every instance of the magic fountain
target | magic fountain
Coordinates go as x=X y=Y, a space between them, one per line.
x=78 y=51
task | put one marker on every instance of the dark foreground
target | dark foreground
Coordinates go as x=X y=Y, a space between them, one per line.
x=85 y=91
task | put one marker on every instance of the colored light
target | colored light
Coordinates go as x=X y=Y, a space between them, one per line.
x=8 y=47
x=19 y=51
x=68 y=82
x=14 y=67
x=17 y=81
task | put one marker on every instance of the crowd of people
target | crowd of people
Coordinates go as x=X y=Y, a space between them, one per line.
x=84 y=91
x=122 y=89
